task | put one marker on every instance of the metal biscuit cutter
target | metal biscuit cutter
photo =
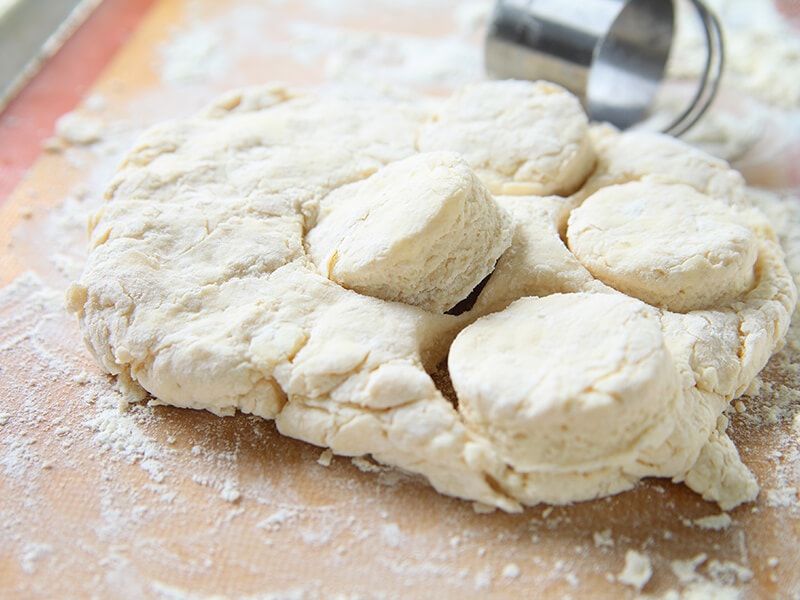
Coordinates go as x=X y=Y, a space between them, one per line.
x=610 y=53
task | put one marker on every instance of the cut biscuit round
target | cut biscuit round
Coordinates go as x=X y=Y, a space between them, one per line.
x=521 y=137
x=567 y=381
x=634 y=155
x=423 y=230
x=666 y=244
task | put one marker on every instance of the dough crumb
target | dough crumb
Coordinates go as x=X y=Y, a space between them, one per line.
x=715 y=522
x=78 y=129
x=54 y=145
x=637 y=570
x=728 y=572
x=483 y=509
x=773 y=562
x=686 y=570
x=365 y=465
x=4 y=418
x=325 y=458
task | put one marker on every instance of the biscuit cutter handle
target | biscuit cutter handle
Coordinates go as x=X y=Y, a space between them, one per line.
x=711 y=76
x=612 y=54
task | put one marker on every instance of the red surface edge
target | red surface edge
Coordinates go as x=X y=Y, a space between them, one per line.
x=57 y=88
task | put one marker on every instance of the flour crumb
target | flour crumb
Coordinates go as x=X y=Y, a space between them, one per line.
x=483 y=579
x=715 y=522
x=483 y=509
x=78 y=129
x=325 y=458
x=773 y=562
x=4 y=418
x=32 y=555
x=230 y=492
x=390 y=535
x=781 y=497
x=603 y=539
x=637 y=570
x=511 y=571
x=278 y=519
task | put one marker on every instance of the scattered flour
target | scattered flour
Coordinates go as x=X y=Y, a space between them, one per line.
x=603 y=539
x=391 y=535
x=727 y=572
x=279 y=518
x=33 y=555
x=230 y=492
x=686 y=570
x=483 y=579
x=781 y=497
x=511 y=571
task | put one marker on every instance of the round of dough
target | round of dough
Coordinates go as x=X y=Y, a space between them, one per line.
x=521 y=137
x=423 y=230
x=666 y=244
x=567 y=381
x=634 y=155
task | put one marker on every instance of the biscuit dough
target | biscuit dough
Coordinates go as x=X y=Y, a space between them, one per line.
x=665 y=243
x=520 y=137
x=567 y=382
x=423 y=230
x=208 y=285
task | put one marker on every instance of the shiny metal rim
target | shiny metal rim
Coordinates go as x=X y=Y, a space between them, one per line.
x=711 y=76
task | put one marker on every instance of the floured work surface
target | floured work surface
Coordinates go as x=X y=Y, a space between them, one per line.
x=204 y=495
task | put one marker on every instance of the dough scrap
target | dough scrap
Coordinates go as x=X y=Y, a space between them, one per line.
x=520 y=137
x=203 y=287
x=423 y=230
x=665 y=244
